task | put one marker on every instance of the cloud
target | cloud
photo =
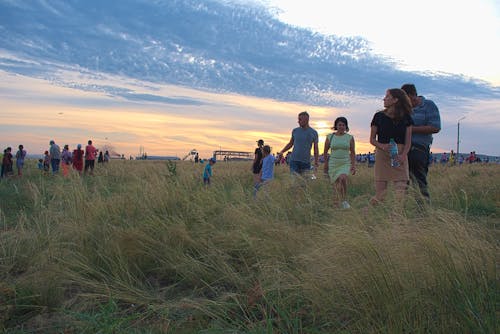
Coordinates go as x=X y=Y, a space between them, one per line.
x=218 y=46
x=162 y=99
x=174 y=75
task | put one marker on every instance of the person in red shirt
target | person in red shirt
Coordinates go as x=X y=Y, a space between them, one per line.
x=78 y=158
x=90 y=154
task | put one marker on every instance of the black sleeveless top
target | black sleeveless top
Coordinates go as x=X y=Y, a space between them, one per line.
x=388 y=128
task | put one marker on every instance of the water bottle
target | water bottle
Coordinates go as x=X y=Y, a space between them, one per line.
x=393 y=152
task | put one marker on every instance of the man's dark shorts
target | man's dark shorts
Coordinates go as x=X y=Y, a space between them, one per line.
x=256 y=168
x=299 y=167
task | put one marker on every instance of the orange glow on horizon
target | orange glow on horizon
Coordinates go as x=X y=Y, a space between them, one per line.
x=227 y=121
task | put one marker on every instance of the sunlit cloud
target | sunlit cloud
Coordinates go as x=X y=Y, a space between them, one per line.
x=161 y=126
x=75 y=106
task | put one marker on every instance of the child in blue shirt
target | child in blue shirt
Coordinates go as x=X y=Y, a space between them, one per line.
x=267 y=171
x=207 y=172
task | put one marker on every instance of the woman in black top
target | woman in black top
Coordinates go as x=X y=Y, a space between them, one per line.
x=395 y=122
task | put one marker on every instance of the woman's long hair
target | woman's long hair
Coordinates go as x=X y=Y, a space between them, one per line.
x=403 y=106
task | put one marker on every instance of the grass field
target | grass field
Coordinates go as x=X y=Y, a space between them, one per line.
x=144 y=247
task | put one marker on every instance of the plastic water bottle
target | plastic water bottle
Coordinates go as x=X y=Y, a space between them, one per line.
x=394 y=152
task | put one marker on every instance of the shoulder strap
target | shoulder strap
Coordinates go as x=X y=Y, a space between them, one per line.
x=330 y=137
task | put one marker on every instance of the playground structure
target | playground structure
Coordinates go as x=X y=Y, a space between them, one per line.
x=191 y=154
x=232 y=155
x=222 y=155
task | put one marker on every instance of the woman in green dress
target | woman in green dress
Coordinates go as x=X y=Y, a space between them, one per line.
x=342 y=160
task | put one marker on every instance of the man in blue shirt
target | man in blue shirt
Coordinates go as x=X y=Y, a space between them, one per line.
x=303 y=138
x=426 y=121
x=55 y=156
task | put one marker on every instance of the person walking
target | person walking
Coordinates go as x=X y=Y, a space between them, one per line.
x=7 y=162
x=100 y=158
x=303 y=138
x=257 y=162
x=20 y=156
x=46 y=162
x=267 y=171
x=1 y=160
x=77 y=156
x=394 y=122
x=90 y=154
x=66 y=160
x=55 y=156
x=341 y=161
x=427 y=122
x=207 y=171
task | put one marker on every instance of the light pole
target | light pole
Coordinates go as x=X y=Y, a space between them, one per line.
x=458 y=135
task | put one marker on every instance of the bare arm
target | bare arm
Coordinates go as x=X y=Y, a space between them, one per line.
x=373 y=140
x=325 y=153
x=373 y=134
x=353 y=156
x=316 y=154
x=287 y=147
x=401 y=155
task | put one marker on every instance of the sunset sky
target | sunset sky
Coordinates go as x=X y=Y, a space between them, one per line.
x=70 y=116
x=454 y=37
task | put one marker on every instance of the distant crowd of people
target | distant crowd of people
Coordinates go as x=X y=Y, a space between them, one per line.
x=454 y=159
x=449 y=159
x=7 y=163
x=83 y=161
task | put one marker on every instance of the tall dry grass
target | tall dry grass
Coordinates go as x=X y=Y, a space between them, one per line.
x=144 y=247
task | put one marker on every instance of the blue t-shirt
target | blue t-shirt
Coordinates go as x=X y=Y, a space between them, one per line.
x=55 y=151
x=268 y=168
x=427 y=113
x=303 y=140
x=20 y=155
x=207 y=172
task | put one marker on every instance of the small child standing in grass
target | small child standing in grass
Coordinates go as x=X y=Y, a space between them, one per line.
x=46 y=162
x=267 y=171
x=207 y=172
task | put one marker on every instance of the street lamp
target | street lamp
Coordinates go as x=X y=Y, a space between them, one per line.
x=458 y=135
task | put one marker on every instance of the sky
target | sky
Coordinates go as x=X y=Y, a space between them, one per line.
x=211 y=121
x=460 y=37
x=34 y=111
x=179 y=119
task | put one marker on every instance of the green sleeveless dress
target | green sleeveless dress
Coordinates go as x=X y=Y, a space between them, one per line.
x=340 y=161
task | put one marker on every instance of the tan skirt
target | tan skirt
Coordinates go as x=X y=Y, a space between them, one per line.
x=385 y=172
